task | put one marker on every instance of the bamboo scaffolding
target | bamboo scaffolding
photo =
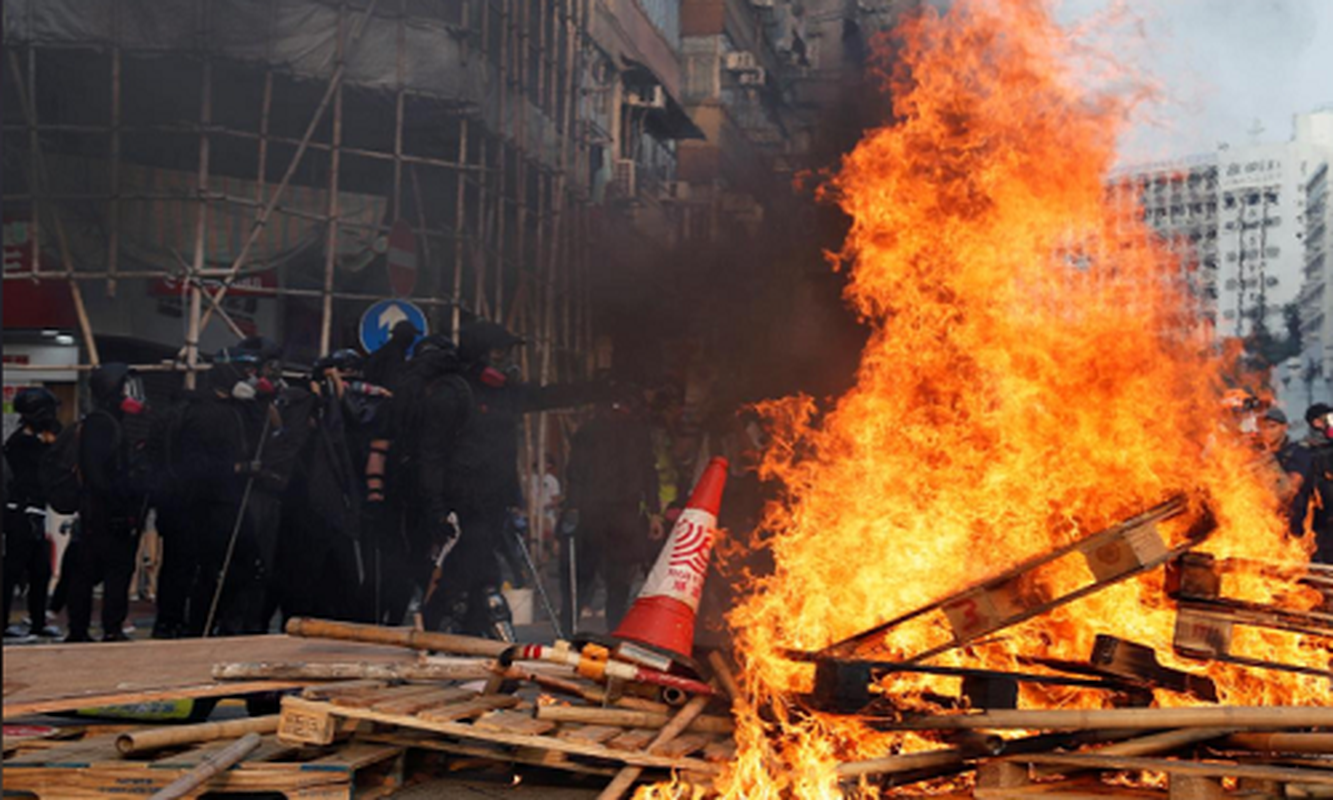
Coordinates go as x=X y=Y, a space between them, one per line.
x=335 y=80
x=39 y=178
x=335 y=163
x=537 y=51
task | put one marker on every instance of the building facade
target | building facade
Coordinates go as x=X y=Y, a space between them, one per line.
x=1313 y=372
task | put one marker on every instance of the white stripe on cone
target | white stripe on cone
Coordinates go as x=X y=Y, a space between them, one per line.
x=680 y=570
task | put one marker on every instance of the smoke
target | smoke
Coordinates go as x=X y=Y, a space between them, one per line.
x=1220 y=67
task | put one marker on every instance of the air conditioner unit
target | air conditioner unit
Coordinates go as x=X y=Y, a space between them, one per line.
x=754 y=77
x=648 y=98
x=623 y=177
x=741 y=61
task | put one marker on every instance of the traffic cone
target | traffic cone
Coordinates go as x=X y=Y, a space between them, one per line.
x=662 y=617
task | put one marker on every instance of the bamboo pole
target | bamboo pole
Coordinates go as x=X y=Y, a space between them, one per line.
x=685 y=718
x=195 y=326
x=910 y=762
x=1321 y=743
x=219 y=762
x=272 y=291
x=1129 y=718
x=113 y=209
x=1151 y=744
x=629 y=718
x=167 y=367
x=335 y=164
x=401 y=637
x=342 y=671
x=400 y=101
x=143 y=741
x=1178 y=767
x=480 y=250
x=459 y=219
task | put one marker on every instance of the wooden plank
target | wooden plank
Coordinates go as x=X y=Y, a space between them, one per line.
x=353 y=757
x=590 y=734
x=514 y=722
x=682 y=745
x=469 y=709
x=352 y=688
x=65 y=677
x=1204 y=769
x=421 y=702
x=634 y=739
x=468 y=731
x=720 y=751
x=81 y=753
x=371 y=699
x=522 y=755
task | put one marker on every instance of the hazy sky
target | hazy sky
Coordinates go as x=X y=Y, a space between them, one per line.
x=1219 y=65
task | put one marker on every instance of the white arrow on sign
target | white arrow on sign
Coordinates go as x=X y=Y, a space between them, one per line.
x=390 y=317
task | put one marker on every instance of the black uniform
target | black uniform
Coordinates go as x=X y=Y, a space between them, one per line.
x=430 y=409
x=27 y=550
x=319 y=559
x=219 y=444
x=107 y=537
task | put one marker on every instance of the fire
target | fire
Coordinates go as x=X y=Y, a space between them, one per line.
x=1034 y=374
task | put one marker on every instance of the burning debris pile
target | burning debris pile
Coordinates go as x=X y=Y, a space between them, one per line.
x=1036 y=377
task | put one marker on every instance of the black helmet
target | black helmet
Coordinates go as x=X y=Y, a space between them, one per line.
x=36 y=404
x=108 y=383
x=345 y=361
x=435 y=343
x=476 y=339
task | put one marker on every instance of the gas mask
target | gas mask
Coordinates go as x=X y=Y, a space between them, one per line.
x=492 y=377
x=243 y=390
x=132 y=399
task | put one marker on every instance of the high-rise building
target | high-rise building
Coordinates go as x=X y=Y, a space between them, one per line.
x=1238 y=219
x=1261 y=216
x=1313 y=373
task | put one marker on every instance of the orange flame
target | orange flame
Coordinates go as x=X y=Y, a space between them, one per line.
x=1034 y=374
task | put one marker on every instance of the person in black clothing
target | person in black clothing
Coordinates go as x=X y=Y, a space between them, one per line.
x=1312 y=508
x=319 y=563
x=27 y=549
x=112 y=506
x=482 y=472
x=387 y=365
x=219 y=444
x=611 y=483
x=430 y=407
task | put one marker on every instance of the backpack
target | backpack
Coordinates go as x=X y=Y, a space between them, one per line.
x=58 y=471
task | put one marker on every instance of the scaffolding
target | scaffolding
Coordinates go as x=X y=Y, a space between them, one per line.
x=468 y=119
x=489 y=166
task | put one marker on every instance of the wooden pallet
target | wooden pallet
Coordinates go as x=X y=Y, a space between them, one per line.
x=1188 y=779
x=92 y=767
x=501 y=727
x=1020 y=593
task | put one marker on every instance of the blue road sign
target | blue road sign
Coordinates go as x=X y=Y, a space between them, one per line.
x=378 y=321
